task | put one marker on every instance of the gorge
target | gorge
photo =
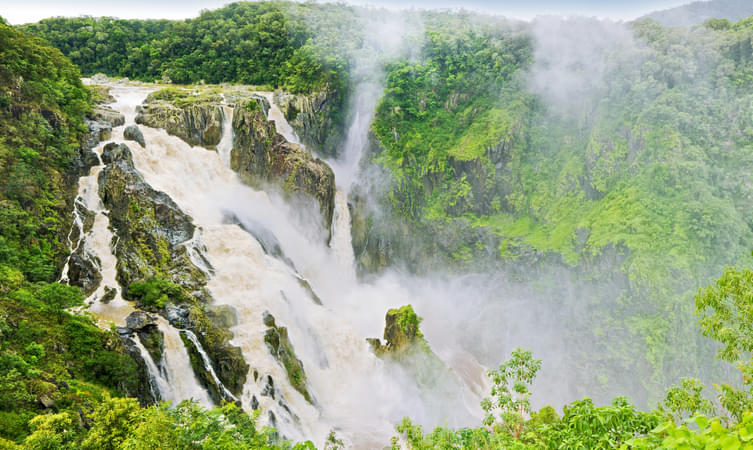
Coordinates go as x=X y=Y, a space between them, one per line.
x=447 y=230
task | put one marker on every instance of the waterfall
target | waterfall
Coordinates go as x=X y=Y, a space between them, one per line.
x=341 y=239
x=226 y=141
x=177 y=370
x=78 y=227
x=158 y=384
x=207 y=362
x=281 y=124
x=170 y=380
x=357 y=393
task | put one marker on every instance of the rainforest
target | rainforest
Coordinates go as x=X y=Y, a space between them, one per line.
x=304 y=225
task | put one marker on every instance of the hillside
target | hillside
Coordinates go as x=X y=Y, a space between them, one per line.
x=697 y=12
x=50 y=359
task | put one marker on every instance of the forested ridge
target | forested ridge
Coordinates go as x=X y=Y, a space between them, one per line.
x=636 y=185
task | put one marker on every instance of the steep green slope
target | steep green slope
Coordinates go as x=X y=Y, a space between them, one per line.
x=49 y=358
x=639 y=184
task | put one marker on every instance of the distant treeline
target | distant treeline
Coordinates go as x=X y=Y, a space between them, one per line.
x=250 y=43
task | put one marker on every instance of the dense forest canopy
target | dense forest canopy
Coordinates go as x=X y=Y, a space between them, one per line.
x=250 y=43
x=618 y=154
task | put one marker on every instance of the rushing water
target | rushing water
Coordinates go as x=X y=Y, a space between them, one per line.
x=355 y=393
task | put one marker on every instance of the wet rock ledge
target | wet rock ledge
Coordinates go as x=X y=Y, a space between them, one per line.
x=157 y=267
x=195 y=117
x=261 y=156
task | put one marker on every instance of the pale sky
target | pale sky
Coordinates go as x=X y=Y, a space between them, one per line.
x=24 y=11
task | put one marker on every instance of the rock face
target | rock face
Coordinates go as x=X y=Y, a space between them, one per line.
x=314 y=119
x=83 y=271
x=145 y=393
x=133 y=133
x=195 y=119
x=372 y=249
x=279 y=345
x=101 y=122
x=145 y=327
x=261 y=156
x=152 y=230
x=405 y=346
x=400 y=332
x=155 y=242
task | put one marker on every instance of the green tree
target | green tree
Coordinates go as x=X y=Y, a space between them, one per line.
x=685 y=400
x=112 y=419
x=51 y=432
x=510 y=392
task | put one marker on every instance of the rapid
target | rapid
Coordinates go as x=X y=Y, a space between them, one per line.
x=358 y=395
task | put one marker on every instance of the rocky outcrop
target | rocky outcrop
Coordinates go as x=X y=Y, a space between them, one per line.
x=195 y=118
x=279 y=345
x=315 y=119
x=437 y=384
x=83 y=271
x=133 y=133
x=401 y=331
x=145 y=327
x=152 y=230
x=154 y=246
x=371 y=246
x=260 y=156
x=100 y=123
x=146 y=394
x=83 y=267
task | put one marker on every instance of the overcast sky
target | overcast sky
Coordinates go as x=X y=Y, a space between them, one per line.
x=23 y=11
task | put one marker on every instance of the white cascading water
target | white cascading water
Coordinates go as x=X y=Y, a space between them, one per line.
x=158 y=382
x=175 y=368
x=355 y=393
x=207 y=362
x=169 y=380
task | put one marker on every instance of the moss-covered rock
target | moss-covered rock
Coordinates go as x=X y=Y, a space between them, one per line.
x=405 y=345
x=401 y=331
x=145 y=327
x=195 y=117
x=227 y=360
x=133 y=133
x=279 y=345
x=152 y=231
x=155 y=267
x=260 y=156
x=145 y=392
x=316 y=119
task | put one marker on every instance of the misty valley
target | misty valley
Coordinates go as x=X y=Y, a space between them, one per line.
x=310 y=225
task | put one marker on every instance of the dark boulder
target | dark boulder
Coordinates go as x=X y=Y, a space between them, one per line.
x=133 y=133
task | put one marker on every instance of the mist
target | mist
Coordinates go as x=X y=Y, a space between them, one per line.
x=586 y=318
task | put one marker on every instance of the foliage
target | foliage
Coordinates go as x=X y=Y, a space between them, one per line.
x=156 y=292
x=726 y=311
x=257 y=43
x=41 y=114
x=635 y=188
x=407 y=321
x=685 y=400
x=700 y=432
x=183 y=98
x=48 y=356
x=583 y=425
x=119 y=423
x=510 y=391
